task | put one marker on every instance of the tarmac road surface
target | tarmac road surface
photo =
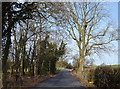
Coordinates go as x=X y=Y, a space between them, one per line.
x=63 y=80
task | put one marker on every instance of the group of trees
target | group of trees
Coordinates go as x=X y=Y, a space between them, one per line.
x=27 y=27
x=36 y=53
x=27 y=43
x=10 y=17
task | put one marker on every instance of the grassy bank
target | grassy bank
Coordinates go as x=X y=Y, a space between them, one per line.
x=88 y=85
x=26 y=81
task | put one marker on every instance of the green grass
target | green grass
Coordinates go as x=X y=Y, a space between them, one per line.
x=94 y=67
x=110 y=66
x=60 y=68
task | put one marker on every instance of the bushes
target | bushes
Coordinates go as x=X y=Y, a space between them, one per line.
x=107 y=77
x=103 y=77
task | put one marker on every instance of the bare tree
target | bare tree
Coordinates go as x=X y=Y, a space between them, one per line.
x=85 y=25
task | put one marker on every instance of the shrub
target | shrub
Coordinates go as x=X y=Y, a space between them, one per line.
x=107 y=77
x=116 y=76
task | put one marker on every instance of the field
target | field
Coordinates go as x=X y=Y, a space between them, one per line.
x=93 y=67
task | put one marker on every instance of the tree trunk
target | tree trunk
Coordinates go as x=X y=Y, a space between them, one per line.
x=32 y=64
x=16 y=53
x=22 y=60
x=5 y=57
x=39 y=62
x=80 y=68
x=53 y=66
x=32 y=69
x=81 y=61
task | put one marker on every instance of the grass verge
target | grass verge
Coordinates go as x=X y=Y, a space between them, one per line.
x=27 y=82
x=83 y=81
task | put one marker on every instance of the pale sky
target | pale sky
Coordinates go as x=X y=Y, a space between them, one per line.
x=108 y=59
x=112 y=58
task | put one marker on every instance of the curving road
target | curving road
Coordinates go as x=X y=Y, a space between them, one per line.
x=63 y=80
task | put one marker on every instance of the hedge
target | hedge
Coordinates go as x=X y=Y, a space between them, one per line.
x=107 y=77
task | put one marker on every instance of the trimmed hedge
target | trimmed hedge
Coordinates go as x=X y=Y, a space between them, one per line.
x=107 y=77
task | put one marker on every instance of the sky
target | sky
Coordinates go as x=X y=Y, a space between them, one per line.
x=111 y=59
x=107 y=59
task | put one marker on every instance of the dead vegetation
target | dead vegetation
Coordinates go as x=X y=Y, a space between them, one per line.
x=83 y=81
x=26 y=82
